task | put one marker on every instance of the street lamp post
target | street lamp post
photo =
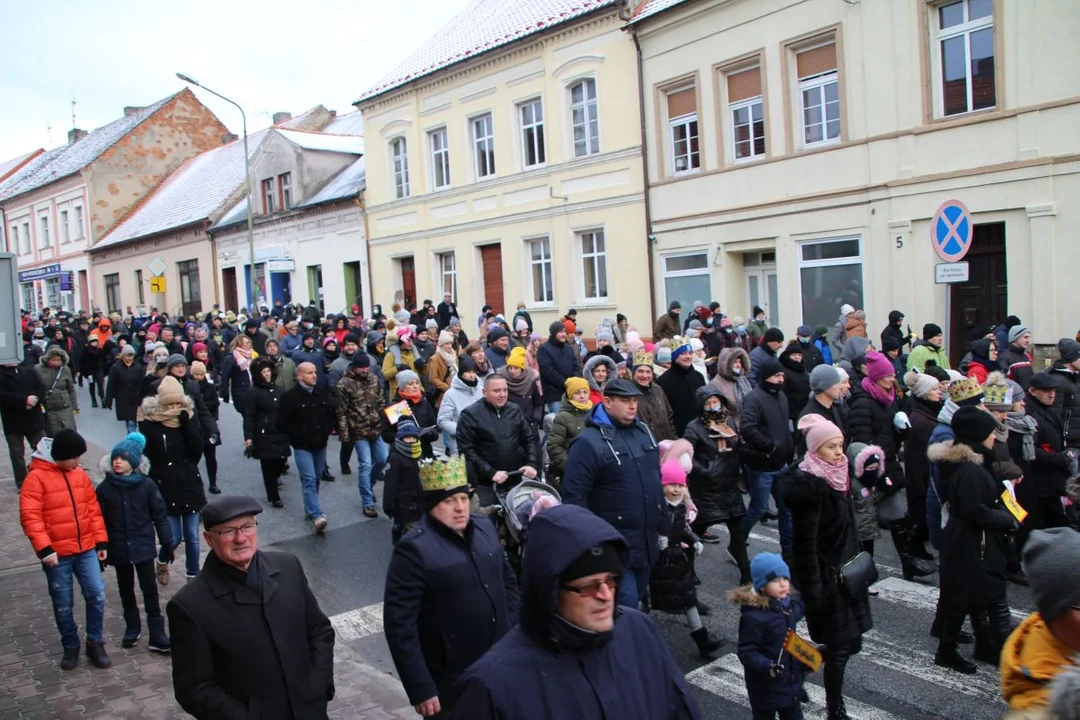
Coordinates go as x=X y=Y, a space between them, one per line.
x=252 y=292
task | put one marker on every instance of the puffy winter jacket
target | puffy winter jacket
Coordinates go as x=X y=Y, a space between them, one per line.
x=123 y=389
x=60 y=400
x=494 y=439
x=306 y=418
x=680 y=384
x=18 y=382
x=871 y=422
x=924 y=351
x=133 y=509
x=567 y=425
x=260 y=422
x=767 y=442
x=714 y=479
x=763 y=626
x=557 y=362
x=456 y=399
x=59 y=509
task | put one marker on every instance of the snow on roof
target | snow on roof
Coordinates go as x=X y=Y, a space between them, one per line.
x=483 y=26
x=347 y=183
x=324 y=143
x=9 y=166
x=233 y=215
x=652 y=7
x=71 y=158
x=193 y=191
x=347 y=124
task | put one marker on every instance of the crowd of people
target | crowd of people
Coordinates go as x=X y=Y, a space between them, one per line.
x=714 y=421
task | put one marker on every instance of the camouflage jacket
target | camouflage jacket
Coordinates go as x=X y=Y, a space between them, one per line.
x=359 y=402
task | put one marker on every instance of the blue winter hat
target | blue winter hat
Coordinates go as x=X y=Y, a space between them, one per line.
x=130 y=448
x=406 y=428
x=766 y=567
x=676 y=352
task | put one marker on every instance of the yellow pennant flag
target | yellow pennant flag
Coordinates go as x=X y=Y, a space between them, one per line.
x=1014 y=507
x=803 y=651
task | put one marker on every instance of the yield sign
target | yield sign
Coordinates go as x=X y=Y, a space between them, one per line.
x=951 y=231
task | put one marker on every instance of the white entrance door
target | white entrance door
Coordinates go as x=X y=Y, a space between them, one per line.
x=763 y=291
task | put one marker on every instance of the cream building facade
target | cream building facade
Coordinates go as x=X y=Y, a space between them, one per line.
x=798 y=151
x=506 y=167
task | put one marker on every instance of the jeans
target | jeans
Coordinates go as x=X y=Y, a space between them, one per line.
x=633 y=585
x=450 y=443
x=187 y=526
x=310 y=464
x=87 y=570
x=762 y=485
x=17 y=452
x=553 y=407
x=131 y=426
x=371 y=454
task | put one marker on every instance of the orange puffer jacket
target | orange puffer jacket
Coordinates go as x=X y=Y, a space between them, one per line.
x=59 y=510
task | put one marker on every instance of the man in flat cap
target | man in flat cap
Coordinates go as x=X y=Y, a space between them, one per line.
x=248 y=637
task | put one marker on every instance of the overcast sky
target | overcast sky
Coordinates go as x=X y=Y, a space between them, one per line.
x=269 y=56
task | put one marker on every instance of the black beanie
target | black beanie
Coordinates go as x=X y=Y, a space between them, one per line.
x=972 y=425
x=773 y=334
x=68 y=445
x=556 y=327
x=930 y=330
x=605 y=557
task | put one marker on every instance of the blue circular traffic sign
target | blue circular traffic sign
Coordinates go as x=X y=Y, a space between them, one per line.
x=951 y=230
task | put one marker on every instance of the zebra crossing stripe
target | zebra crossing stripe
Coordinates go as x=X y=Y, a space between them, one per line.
x=917 y=595
x=359 y=623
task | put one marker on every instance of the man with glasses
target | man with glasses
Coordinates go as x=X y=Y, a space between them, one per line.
x=450 y=592
x=575 y=654
x=248 y=636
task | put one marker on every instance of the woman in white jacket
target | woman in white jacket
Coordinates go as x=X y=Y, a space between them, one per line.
x=465 y=389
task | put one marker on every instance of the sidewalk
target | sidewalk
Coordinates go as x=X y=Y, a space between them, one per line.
x=139 y=684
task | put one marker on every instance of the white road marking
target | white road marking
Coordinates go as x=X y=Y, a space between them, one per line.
x=358 y=623
x=917 y=595
x=775 y=540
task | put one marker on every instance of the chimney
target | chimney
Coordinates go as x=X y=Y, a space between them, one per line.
x=280 y=117
x=131 y=110
x=75 y=135
x=228 y=138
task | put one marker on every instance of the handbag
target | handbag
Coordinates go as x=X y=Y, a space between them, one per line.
x=892 y=507
x=857 y=575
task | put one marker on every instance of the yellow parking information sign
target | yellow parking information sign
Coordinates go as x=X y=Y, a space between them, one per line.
x=803 y=651
x=157 y=284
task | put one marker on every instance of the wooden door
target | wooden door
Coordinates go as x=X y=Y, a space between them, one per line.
x=491 y=257
x=228 y=279
x=984 y=298
x=408 y=282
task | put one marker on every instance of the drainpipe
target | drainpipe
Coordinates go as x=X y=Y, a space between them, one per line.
x=645 y=169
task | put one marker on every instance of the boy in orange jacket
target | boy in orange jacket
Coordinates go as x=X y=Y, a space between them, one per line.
x=60 y=515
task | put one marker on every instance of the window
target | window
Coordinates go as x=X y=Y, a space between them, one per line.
x=747 y=116
x=13 y=240
x=683 y=121
x=440 y=158
x=52 y=292
x=139 y=289
x=400 y=153
x=532 y=133
x=28 y=297
x=448 y=274
x=78 y=222
x=26 y=238
x=190 y=293
x=285 y=190
x=112 y=292
x=543 y=290
x=65 y=231
x=483 y=136
x=819 y=91
x=584 y=119
x=966 y=54
x=44 y=241
x=268 y=196
x=830 y=274
x=594 y=264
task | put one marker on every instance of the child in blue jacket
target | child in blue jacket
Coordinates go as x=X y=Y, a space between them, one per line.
x=774 y=679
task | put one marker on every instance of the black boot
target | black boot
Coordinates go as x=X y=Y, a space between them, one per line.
x=989 y=637
x=133 y=629
x=838 y=711
x=948 y=657
x=912 y=568
x=97 y=655
x=345 y=469
x=706 y=643
x=71 y=658
x=962 y=638
x=93 y=401
x=159 y=640
x=918 y=548
x=326 y=476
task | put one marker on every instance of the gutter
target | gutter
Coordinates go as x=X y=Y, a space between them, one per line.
x=649 y=237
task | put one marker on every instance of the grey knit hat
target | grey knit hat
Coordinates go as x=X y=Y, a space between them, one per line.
x=1017 y=332
x=1050 y=558
x=824 y=377
x=174 y=360
x=404 y=377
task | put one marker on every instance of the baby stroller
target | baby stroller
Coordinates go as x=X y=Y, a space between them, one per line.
x=517 y=506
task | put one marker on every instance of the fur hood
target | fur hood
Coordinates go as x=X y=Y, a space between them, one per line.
x=1065 y=694
x=54 y=351
x=726 y=360
x=105 y=465
x=151 y=405
x=591 y=364
x=746 y=596
x=955 y=453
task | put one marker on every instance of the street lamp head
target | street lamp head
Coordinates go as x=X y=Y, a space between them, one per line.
x=188 y=79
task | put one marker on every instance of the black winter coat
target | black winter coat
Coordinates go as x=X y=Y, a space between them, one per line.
x=1051 y=468
x=923 y=418
x=208 y=390
x=811 y=356
x=796 y=386
x=207 y=421
x=826 y=538
x=123 y=388
x=448 y=599
x=614 y=471
x=763 y=426
x=403 y=498
x=174 y=461
x=714 y=479
x=18 y=382
x=680 y=384
x=235 y=383
x=307 y=418
x=1068 y=403
x=268 y=440
x=132 y=511
x=239 y=653
x=671 y=581
x=871 y=422
x=493 y=440
x=557 y=362
x=763 y=626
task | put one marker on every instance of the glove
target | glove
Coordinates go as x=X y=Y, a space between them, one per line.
x=775 y=669
x=402 y=367
x=699 y=547
x=662 y=542
x=900 y=421
x=166 y=555
x=429 y=432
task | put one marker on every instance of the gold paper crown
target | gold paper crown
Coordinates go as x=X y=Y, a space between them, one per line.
x=443 y=474
x=642 y=357
x=965 y=389
x=997 y=391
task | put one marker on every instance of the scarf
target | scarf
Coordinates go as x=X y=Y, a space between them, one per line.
x=304 y=386
x=451 y=359
x=835 y=475
x=885 y=397
x=1025 y=426
x=582 y=406
x=469 y=383
x=242 y=357
x=167 y=415
x=409 y=450
x=519 y=387
x=413 y=398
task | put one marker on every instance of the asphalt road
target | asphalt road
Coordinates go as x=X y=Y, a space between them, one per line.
x=894 y=676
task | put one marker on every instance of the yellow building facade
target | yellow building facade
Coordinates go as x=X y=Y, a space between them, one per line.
x=515 y=175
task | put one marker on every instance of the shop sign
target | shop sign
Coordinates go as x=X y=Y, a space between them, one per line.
x=39 y=273
x=67 y=281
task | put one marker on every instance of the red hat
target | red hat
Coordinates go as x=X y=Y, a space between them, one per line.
x=198 y=348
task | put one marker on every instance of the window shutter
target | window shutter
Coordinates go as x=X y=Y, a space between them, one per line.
x=743 y=85
x=682 y=102
x=816 y=61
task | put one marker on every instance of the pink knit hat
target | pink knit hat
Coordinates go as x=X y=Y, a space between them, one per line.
x=817 y=430
x=671 y=473
x=878 y=366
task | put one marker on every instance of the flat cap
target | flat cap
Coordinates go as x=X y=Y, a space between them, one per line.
x=226 y=507
x=621 y=388
x=1045 y=381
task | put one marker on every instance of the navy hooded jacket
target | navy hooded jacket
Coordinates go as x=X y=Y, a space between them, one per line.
x=548 y=668
x=615 y=472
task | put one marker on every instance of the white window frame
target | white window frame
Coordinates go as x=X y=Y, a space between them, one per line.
x=13 y=240
x=965 y=29
x=483 y=143
x=600 y=281
x=45 y=240
x=532 y=133
x=269 y=195
x=818 y=83
x=748 y=105
x=439 y=151
x=448 y=272
x=546 y=264
x=79 y=233
x=692 y=272
x=285 y=190
x=827 y=262
x=399 y=167
x=26 y=248
x=684 y=121
x=65 y=230
x=586 y=106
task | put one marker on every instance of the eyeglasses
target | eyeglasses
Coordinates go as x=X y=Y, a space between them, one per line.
x=590 y=589
x=229 y=533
